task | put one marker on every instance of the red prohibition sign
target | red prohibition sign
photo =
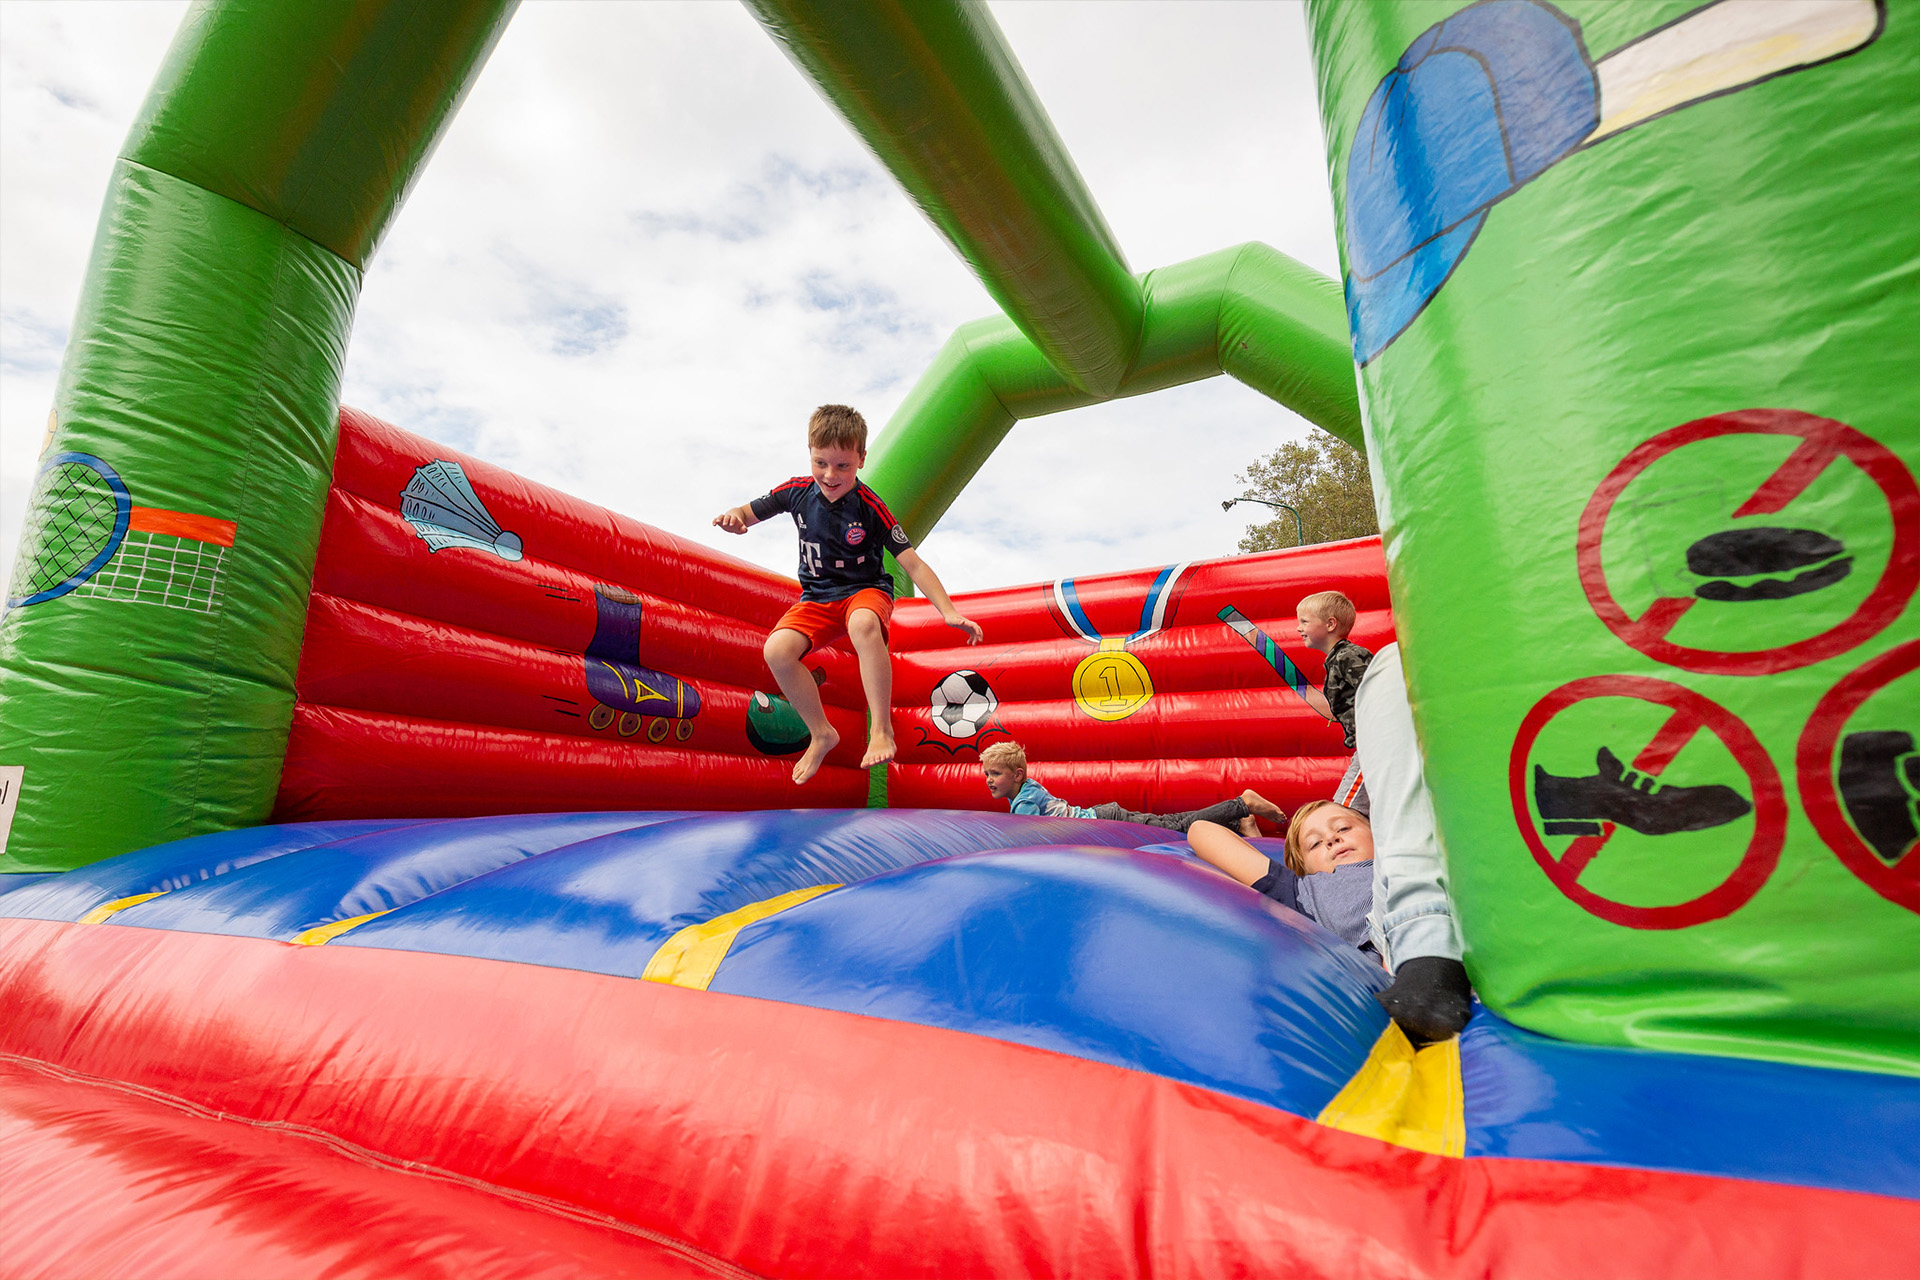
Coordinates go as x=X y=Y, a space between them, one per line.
x=1813 y=764
x=1822 y=441
x=1691 y=714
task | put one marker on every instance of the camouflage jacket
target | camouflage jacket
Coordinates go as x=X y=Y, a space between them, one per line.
x=1345 y=665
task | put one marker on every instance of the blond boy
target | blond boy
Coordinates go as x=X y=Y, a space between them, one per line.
x=1323 y=620
x=1004 y=765
x=1327 y=873
x=844 y=588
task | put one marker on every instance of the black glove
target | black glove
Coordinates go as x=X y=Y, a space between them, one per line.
x=1430 y=998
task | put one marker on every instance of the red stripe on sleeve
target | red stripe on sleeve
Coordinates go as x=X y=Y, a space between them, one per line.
x=873 y=500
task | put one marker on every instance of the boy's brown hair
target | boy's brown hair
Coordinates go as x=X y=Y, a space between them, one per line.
x=837 y=426
x=1330 y=606
x=1295 y=858
x=1007 y=755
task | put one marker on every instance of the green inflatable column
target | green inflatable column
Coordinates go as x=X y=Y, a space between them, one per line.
x=1632 y=287
x=154 y=619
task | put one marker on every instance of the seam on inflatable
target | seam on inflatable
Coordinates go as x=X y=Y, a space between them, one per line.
x=359 y=271
x=974 y=365
x=1228 y=290
x=375 y=1159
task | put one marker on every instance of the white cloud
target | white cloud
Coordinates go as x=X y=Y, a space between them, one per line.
x=71 y=79
x=647 y=248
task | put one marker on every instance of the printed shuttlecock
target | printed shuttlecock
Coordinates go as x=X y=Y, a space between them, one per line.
x=444 y=510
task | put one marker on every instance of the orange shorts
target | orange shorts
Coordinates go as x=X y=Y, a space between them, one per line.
x=824 y=621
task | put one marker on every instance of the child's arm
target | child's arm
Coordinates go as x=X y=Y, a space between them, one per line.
x=929 y=583
x=737 y=519
x=1227 y=851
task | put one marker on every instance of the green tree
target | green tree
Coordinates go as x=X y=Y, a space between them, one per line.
x=1324 y=479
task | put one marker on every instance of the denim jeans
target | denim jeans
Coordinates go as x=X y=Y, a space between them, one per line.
x=1412 y=915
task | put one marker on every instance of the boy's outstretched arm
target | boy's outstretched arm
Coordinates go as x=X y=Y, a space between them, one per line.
x=929 y=583
x=737 y=519
x=1223 y=849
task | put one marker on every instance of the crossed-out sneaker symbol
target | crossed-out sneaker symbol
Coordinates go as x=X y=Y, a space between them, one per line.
x=1614 y=793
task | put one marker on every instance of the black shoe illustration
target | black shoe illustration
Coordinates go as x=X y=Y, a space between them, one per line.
x=1765 y=555
x=1880 y=785
x=1614 y=793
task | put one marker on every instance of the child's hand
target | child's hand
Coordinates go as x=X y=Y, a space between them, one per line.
x=731 y=521
x=974 y=632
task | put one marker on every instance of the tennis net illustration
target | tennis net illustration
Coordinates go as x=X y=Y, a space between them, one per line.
x=160 y=568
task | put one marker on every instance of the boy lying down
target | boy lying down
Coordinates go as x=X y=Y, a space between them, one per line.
x=1409 y=922
x=1004 y=764
x=1326 y=874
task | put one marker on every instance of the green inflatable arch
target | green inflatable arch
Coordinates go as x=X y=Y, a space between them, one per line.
x=203 y=372
x=1640 y=400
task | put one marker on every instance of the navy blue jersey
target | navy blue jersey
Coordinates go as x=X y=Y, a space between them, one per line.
x=840 y=542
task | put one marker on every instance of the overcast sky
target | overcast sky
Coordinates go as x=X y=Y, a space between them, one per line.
x=646 y=248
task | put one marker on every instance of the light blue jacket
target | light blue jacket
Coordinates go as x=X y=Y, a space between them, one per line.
x=1035 y=799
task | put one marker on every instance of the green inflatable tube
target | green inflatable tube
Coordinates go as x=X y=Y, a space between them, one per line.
x=158 y=602
x=933 y=89
x=1249 y=311
x=1633 y=286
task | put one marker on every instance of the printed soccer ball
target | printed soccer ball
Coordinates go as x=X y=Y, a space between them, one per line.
x=962 y=704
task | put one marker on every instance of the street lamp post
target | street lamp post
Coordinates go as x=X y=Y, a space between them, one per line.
x=1299 y=532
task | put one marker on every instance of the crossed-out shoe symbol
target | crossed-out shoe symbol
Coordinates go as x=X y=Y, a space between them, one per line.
x=1880 y=783
x=1614 y=793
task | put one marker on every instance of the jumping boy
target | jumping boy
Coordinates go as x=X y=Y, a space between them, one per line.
x=844 y=588
x=1323 y=621
x=1004 y=765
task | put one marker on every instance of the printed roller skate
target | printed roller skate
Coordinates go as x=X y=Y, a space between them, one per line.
x=626 y=695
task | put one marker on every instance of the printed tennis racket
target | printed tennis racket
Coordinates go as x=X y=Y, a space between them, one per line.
x=76 y=519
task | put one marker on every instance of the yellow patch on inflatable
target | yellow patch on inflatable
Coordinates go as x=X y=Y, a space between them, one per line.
x=1405 y=1096
x=691 y=957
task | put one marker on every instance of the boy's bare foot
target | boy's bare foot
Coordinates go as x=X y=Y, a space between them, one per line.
x=1249 y=826
x=880 y=749
x=816 y=755
x=1264 y=808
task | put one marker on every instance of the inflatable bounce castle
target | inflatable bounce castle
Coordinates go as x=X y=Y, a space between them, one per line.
x=402 y=873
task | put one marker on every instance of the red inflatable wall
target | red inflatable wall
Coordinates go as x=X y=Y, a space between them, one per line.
x=1133 y=686
x=477 y=643
x=545 y=655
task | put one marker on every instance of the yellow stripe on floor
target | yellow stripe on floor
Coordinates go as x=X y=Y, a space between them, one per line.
x=692 y=956
x=323 y=934
x=105 y=909
x=1399 y=1095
